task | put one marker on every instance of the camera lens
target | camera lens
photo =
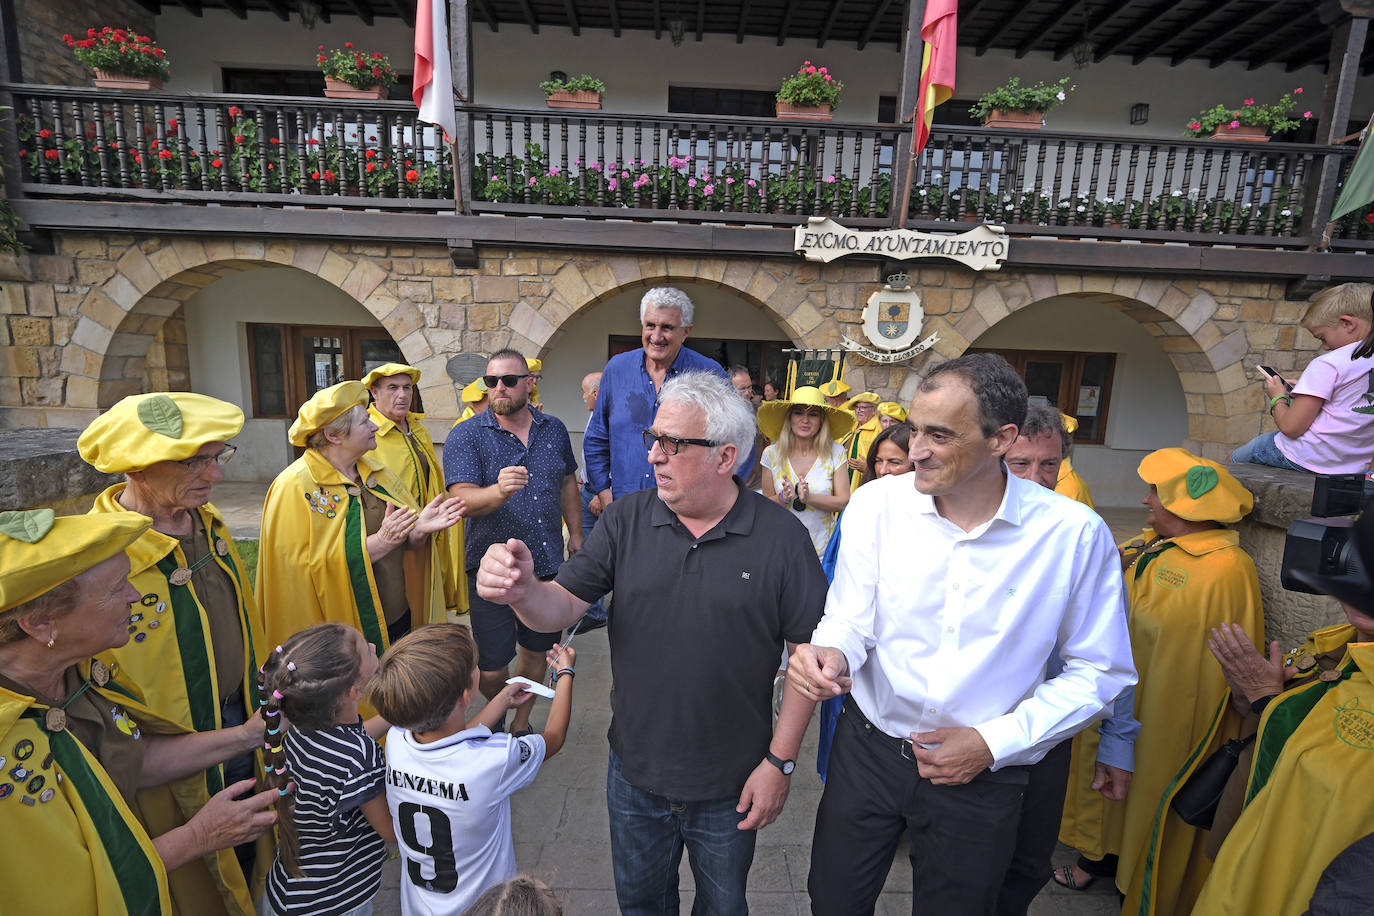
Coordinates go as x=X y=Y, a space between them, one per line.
x=798 y=505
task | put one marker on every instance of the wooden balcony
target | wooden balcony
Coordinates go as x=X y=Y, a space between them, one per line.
x=309 y=153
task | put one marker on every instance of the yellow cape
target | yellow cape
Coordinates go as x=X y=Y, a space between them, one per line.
x=1070 y=484
x=80 y=850
x=1175 y=594
x=1308 y=797
x=170 y=658
x=413 y=460
x=312 y=559
x=857 y=444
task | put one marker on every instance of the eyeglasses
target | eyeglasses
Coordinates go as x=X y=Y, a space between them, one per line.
x=510 y=381
x=671 y=444
x=199 y=463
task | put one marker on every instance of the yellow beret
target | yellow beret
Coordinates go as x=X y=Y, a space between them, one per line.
x=835 y=387
x=323 y=408
x=894 y=410
x=474 y=391
x=390 y=369
x=772 y=414
x=143 y=429
x=534 y=365
x=1069 y=423
x=863 y=397
x=1195 y=488
x=39 y=551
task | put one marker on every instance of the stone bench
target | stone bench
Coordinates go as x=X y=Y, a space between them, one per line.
x=40 y=468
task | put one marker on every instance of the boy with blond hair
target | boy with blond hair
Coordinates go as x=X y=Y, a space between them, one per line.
x=1326 y=419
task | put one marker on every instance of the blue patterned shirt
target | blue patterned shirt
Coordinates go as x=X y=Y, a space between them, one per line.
x=477 y=450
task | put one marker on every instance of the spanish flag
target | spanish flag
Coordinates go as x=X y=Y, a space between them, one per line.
x=939 y=31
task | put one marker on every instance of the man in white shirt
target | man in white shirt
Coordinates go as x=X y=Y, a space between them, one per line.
x=954 y=586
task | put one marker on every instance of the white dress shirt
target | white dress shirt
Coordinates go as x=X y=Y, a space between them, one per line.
x=945 y=628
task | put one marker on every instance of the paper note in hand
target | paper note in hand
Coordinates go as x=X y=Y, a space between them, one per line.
x=532 y=686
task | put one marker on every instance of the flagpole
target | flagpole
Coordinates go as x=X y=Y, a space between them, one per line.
x=907 y=179
x=1331 y=224
x=457 y=175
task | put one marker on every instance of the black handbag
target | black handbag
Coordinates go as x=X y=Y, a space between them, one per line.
x=1196 y=801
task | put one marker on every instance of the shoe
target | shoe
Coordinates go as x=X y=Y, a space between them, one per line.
x=1064 y=877
x=587 y=624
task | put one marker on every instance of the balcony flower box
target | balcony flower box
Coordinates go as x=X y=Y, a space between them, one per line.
x=121 y=58
x=585 y=100
x=1248 y=121
x=1016 y=107
x=1012 y=119
x=351 y=73
x=790 y=112
x=1251 y=133
x=338 y=89
x=106 y=80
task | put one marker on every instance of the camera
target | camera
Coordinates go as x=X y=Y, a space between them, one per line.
x=1324 y=544
x=798 y=505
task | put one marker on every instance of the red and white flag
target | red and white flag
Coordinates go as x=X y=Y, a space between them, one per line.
x=433 y=87
x=940 y=33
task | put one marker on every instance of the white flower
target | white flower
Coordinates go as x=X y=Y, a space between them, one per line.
x=1060 y=95
x=1175 y=193
x=1285 y=212
x=1080 y=208
x=1008 y=207
x=922 y=192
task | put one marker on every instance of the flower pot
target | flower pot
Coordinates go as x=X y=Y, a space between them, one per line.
x=106 y=80
x=1248 y=132
x=789 y=112
x=338 y=89
x=583 y=99
x=1014 y=119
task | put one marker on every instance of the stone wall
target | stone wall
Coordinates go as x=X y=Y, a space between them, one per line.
x=41 y=468
x=101 y=318
x=45 y=58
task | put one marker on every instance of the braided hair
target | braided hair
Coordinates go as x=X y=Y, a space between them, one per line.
x=306 y=677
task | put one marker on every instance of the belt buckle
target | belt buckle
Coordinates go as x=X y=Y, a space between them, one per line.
x=907 y=751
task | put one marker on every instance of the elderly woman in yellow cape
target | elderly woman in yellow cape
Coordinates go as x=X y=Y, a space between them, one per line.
x=1305 y=791
x=78 y=739
x=194 y=639
x=405 y=448
x=1185 y=574
x=334 y=527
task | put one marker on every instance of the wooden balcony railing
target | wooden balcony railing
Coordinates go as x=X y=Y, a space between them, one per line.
x=283 y=151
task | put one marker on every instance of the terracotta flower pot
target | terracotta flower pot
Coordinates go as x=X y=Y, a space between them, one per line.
x=1014 y=120
x=106 y=80
x=338 y=89
x=583 y=99
x=1247 y=132
x=789 y=112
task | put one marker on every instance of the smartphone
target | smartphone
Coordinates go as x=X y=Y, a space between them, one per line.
x=1269 y=370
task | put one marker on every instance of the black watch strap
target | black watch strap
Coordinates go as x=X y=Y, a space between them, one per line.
x=787 y=766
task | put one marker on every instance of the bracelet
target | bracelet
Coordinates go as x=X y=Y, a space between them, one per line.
x=562 y=671
x=1287 y=399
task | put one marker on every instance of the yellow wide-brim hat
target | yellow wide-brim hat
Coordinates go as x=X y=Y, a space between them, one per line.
x=143 y=429
x=1070 y=423
x=894 y=410
x=863 y=397
x=772 y=414
x=390 y=369
x=534 y=365
x=1195 y=488
x=834 y=388
x=474 y=391
x=323 y=408
x=40 y=550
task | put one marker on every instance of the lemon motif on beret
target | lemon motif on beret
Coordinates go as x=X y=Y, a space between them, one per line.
x=30 y=527
x=1200 y=480
x=161 y=415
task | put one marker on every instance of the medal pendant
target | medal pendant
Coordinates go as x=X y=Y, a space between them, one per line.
x=100 y=673
x=221 y=547
x=180 y=576
x=54 y=720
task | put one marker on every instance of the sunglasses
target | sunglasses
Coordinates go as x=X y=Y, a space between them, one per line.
x=671 y=444
x=510 y=381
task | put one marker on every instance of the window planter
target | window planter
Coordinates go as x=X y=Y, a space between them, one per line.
x=106 y=80
x=583 y=99
x=789 y=112
x=1250 y=133
x=1014 y=119
x=338 y=89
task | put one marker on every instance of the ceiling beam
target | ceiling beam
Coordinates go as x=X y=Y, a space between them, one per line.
x=835 y=7
x=360 y=7
x=701 y=19
x=1047 y=25
x=572 y=17
x=997 y=33
x=280 y=9
x=240 y=8
x=786 y=21
x=1281 y=48
x=1109 y=12
x=658 y=22
x=529 y=16
x=615 y=18
x=152 y=6
x=194 y=7
x=743 y=21
x=878 y=15
x=1141 y=56
x=1318 y=54
x=325 y=14
x=1226 y=28
x=1129 y=31
x=1236 y=50
x=485 y=7
x=405 y=11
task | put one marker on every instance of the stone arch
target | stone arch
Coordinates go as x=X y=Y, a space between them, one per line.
x=1209 y=352
x=122 y=319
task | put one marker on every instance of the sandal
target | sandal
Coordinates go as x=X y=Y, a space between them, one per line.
x=1064 y=877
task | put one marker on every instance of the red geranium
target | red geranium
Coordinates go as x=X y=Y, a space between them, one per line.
x=412 y=176
x=359 y=69
x=121 y=51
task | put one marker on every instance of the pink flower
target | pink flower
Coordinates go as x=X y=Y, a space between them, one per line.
x=806 y=63
x=828 y=78
x=624 y=174
x=1249 y=101
x=494 y=178
x=553 y=171
x=822 y=70
x=1307 y=114
x=729 y=181
x=533 y=181
x=752 y=183
x=1195 y=125
x=710 y=189
x=829 y=179
x=613 y=184
x=810 y=69
x=593 y=166
x=1233 y=125
x=691 y=182
x=577 y=161
x=1298 y=91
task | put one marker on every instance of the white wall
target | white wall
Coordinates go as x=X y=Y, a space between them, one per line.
x=510 y=63
x=217 y=346
x=582 y=348
x=1147 y=410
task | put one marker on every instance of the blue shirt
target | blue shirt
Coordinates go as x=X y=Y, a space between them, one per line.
x=477 y=450
x=625 y=406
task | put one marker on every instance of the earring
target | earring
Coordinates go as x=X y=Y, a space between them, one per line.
x=52 y=641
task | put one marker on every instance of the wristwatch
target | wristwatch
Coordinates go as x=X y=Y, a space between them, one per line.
x=787 y=766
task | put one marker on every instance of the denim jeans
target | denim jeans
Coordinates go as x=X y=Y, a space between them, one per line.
x=648 y=833
x=597 y=610
x=1264 y=449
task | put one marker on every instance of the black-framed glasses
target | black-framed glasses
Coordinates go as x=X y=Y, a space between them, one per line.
x=671 y=444
x=510 y=381
x=199 y=463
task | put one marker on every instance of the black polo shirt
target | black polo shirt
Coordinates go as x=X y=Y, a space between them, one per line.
x=696 y=635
